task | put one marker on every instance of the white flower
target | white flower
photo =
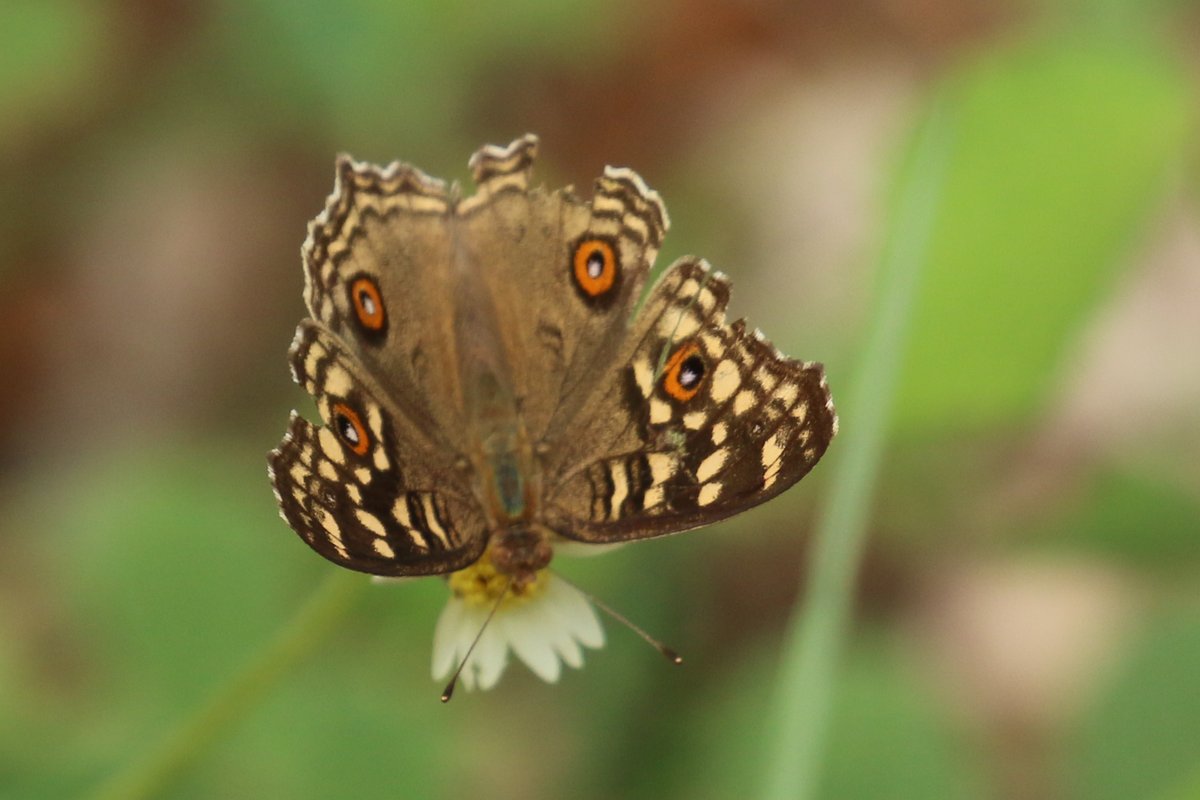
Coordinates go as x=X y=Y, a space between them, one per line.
x=546 y=623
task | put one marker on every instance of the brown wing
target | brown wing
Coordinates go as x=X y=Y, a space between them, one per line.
x=363 y=491
x=377 y=267
x=388 y=259
x=703 y=419
x=563 y=273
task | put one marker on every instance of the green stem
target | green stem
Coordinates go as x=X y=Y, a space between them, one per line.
x=806 y=682
x=151 y=775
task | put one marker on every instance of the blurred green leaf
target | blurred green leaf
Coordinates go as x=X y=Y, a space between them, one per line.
x=890 y=735
x=1142 y=739
x=1062 y=148
x=353 y=704
x=1186 y=789
x=49 y=52
x=1131 y=517
x=173 y=568
x=376 y=73
x=180 y=555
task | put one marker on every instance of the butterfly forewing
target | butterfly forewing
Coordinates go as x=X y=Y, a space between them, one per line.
x=563 y=273
x=377 y=265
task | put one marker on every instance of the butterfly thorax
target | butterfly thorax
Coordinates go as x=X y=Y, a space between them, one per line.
x=520 y=551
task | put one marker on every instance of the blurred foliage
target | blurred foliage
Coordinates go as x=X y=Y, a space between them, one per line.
x=343 y=60
x=145 y=566
x=50 y=51
x=1140 y=739
x=1129 y=518
x=1061 y=148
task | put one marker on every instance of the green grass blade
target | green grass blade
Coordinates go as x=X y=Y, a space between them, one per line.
x=179 y=749
x=806 y=682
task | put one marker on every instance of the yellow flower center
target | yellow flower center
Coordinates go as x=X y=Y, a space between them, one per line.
x=481 y=584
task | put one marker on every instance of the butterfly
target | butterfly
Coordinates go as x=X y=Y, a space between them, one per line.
x=488 y=381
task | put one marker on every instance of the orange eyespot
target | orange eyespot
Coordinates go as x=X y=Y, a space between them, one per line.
x=684 y=372
x=595 y=265
x=350 y=429
x=368 y=303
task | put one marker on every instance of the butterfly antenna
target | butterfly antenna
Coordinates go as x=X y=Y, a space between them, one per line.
x=667 y=652
x=448 y=692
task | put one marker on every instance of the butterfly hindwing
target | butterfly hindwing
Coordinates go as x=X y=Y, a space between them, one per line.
x=709 y=419
x=362 y=490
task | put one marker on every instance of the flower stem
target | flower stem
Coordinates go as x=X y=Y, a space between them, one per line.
x=157 y=769
x=806 y=682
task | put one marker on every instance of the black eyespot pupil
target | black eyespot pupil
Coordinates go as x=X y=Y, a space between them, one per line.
x=691 y=372
x=595 y=264
x=346 y=429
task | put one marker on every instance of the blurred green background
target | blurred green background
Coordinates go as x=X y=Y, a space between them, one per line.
x=1027 y=616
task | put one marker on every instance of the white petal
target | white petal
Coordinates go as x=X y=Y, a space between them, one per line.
x=456 y=629
x=570 y=651
x=467 y=676
x=530 y=631
x=562 y=622
x=545 y=632
x=575 y=608
x=566 y=643
x=589 y=632
x=445 y=639
x=490 y=657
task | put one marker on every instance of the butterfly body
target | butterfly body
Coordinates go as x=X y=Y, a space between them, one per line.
x=483 y=379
